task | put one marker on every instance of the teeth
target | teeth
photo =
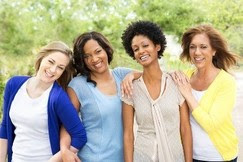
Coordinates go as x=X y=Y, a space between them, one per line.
x=144 y=57
x=198 y=59
x=98 y=65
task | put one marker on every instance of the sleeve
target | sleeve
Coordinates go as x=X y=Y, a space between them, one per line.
x=71 y=121
x=3 y=125
x=178 y=96
x=122 y=72
x=127 y=100
x=77 y=88
x=220 y=110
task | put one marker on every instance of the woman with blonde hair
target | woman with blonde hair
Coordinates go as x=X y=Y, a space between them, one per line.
x=36 y=106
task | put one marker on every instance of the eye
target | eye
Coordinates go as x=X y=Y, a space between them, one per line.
x=98 y=51
x=145 y=45
x=86 y=56
x=135 y=49
x=191 y=47
x=51 y=62
x=61 y=68
x=203 y=47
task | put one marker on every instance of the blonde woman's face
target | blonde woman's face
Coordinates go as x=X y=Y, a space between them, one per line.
x=52 y=67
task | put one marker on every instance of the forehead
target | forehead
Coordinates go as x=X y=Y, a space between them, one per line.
x=200 y=38
x=59 y=57
x=91 y=45
x=138 y=39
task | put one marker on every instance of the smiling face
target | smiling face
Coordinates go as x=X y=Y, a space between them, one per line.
x=52 y=67
x=145 y=51
x=201 y=51
x=95 y=57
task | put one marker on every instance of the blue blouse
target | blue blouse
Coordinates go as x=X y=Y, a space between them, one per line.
x=102 y=118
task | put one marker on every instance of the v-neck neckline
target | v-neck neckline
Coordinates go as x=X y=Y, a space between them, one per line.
x=162 y=88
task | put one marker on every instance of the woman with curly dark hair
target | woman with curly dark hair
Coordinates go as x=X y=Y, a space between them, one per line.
x=95 y=92
x=164 y=133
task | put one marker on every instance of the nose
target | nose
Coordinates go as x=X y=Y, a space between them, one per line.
x=95 y=58
x=140 y=50
x=53 y=69
x=197 y=51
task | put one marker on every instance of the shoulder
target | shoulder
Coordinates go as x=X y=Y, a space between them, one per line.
x=58 y=93
x=227 y=78
x=121 y=70
x=78 y=79
x=16 y=81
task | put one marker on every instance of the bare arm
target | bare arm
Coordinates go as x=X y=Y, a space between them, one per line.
x=185 y=130
x=127 y=115
x=3 y=149
x=68 y=152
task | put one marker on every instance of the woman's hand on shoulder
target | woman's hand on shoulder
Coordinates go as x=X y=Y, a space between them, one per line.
x=126 y=85
x=179 y=77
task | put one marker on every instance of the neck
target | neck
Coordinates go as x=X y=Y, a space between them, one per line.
x=152 y=72
x=36 y=83
x=205 y=72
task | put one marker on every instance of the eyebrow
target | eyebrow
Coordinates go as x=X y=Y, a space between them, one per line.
x=55 y=61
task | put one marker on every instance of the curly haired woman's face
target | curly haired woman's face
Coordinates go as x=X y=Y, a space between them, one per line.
x=145 y=51
x=201 y=51
x=95 y=58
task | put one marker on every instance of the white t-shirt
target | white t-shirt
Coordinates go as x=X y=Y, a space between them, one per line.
x=29 y=116
x=203 y=148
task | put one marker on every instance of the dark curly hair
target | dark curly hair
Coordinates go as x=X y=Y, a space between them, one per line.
x=78 y=50
x=145 y=28
x=223 y=58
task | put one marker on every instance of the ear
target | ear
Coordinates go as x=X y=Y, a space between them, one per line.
x=214 y=53
x=158 y=47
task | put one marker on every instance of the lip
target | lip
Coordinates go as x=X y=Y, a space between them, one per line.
x=98 y=65
x=48 y=74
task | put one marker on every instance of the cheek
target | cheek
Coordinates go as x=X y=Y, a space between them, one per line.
x=86 y=62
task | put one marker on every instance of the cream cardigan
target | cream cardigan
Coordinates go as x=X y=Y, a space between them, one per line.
x=214 y=114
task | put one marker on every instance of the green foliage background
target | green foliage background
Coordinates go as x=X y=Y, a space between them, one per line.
x=27 y=25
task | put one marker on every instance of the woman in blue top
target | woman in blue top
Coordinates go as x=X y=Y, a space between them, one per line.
x=95 y=92
x=35 y=108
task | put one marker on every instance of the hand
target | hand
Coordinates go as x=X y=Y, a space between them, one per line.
x=127 y=86
x=183 y=83
x=69 y=156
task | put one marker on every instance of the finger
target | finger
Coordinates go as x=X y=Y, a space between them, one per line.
x=122 y=91
x=77 y=159
x=173 y=75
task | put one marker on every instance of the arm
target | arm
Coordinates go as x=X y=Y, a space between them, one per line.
x=220 y=109
x=3 y=149
x=68 y=152
x=128 y=117
x=126 y=84
x=3 y=125
x=186 y=134
x=211 y=112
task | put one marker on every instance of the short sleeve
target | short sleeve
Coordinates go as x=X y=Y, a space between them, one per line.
x=128 y=101
x=179 y=98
